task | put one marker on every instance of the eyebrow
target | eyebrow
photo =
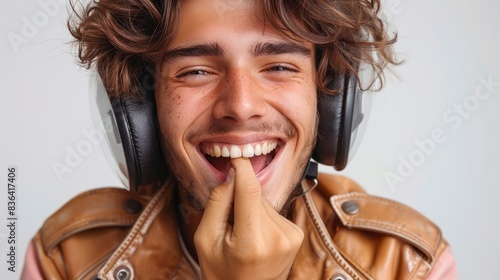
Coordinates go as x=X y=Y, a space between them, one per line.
x=270 y=48
x=214 y=49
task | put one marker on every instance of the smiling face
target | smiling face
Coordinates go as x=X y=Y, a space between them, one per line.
x=229 y=87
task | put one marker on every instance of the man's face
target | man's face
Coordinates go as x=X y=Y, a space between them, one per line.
x=231 y=86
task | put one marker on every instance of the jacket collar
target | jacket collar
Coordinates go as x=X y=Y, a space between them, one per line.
x=153 y=244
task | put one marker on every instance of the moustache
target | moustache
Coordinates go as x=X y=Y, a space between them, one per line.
x=215 y=129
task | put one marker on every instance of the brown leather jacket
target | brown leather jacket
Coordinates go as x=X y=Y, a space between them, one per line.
x=115 y=234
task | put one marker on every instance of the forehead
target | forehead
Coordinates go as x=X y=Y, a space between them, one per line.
x=210 y=10
x=219 y=21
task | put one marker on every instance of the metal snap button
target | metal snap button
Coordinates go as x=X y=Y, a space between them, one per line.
x=122 y=273
x=133 y=206
x=350 y=207
x=338 y=277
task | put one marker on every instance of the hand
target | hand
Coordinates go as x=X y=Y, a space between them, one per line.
x=260 y=244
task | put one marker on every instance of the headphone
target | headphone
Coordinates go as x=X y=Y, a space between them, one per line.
x=131 y=129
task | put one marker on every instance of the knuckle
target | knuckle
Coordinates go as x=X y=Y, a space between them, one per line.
x=288 y=243
x=249 y=256
x=198 y=238
x=250 y=189
x=299 y=235
x=217 y=194
x=203 y=240
x=295 y=233
x=284 y=245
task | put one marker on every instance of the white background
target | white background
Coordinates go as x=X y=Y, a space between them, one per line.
x=447 y=47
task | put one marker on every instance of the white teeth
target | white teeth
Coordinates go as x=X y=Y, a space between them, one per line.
x=264 y=148
x=248 y=151
x=258 y=150
x=235 y=151
x=225 y=152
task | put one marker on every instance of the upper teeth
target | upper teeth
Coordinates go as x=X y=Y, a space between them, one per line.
x=235 y=151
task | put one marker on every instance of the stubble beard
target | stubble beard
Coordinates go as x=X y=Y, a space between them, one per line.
x=187 y=189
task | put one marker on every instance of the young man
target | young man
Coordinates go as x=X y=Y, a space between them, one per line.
x=236 y=93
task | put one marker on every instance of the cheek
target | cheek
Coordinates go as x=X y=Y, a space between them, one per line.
x=313 y=108
x=307 y=117
x=171 y=104
x=170 y=112
x=305 y=108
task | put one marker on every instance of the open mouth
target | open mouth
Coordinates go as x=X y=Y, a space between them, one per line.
x=261 y=154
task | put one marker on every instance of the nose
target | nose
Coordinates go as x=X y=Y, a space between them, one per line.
x=240 y=98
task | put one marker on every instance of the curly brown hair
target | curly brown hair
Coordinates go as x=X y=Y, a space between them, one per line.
x=123 y=37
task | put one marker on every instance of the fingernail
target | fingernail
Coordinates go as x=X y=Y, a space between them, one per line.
x=230 y=175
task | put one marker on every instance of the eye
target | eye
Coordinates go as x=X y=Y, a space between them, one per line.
x=282 y=68
x=195 y=76
x=193 y=73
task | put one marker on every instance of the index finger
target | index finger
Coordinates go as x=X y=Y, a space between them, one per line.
x=247 y=198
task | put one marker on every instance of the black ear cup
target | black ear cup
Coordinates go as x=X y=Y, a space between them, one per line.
x=136 y=120
x=337 y=114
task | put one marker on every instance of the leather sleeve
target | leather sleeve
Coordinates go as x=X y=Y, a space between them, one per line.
x=77 y=239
